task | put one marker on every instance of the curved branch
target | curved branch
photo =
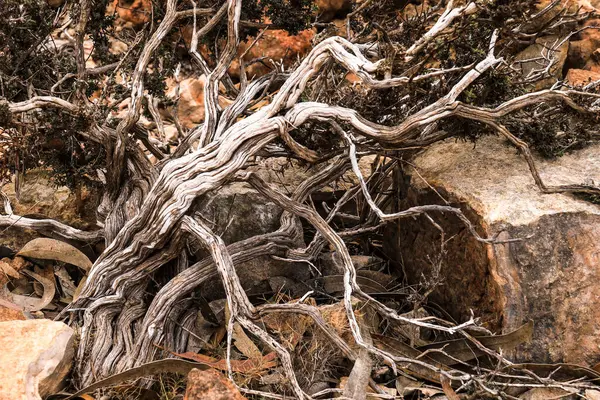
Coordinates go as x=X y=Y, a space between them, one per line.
x=49 y=227
x=42 y=102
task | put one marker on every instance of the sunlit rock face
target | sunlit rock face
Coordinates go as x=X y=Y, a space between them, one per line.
x=549 y=276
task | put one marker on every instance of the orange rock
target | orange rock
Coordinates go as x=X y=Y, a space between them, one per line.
x=135 y=12
x=329 y=9
x=581 y=77
x=210 y=385
x=585 y=42
x=190 y=108
x=572 y=5
x=9 y=314
x=352 y=78
x=36 y=357
x=535 y=50
x=277 y=45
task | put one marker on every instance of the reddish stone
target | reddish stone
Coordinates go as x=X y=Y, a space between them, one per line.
x=329 y=9
x=10 y=314
x=136 y=12
x=581 y=77
x=277 y=45
x=190 y=108
x=36 y=357
x=210 y=385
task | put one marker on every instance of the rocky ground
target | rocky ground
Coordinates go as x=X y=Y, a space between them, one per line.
x=536 y=290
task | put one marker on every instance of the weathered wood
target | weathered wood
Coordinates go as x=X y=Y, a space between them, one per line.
x=149 y=210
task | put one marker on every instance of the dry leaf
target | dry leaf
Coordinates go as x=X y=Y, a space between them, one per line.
x=545 y=394
x=79 y=288
x=218 y=336
x=46 y=273
x=6 y=272
x=50 y=249
x=248 y=367
x=49 y=291
x=66 y=283
x=244 y=344
x=387 y=390
x=464 y=350
x=447 y=388
x=592 y=394
x=169 y=365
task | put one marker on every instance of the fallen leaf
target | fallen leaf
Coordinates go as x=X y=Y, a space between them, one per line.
x=169 y=365
x=241 y=366
x=447 y=388
x=592 y=394
x=545 y=394
x=560 y=371
x=244 y=344
x=66 y=283
x=218 y=336
x=400 y=348
x=49 y=291
x=51 y=249
x=79 y=288
x=464 y=350
x=210 y=384
x=46 y=273
x=6 y=271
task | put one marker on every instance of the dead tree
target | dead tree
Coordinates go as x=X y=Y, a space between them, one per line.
x=149 y=209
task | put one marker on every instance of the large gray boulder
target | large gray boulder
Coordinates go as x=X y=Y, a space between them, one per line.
x=549 y=277
x=238 y=212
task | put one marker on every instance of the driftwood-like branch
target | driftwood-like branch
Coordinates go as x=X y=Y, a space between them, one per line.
x=48 y=227
x=151 y=216
x=41 y=102
x=449 y=15
x=183 y=179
